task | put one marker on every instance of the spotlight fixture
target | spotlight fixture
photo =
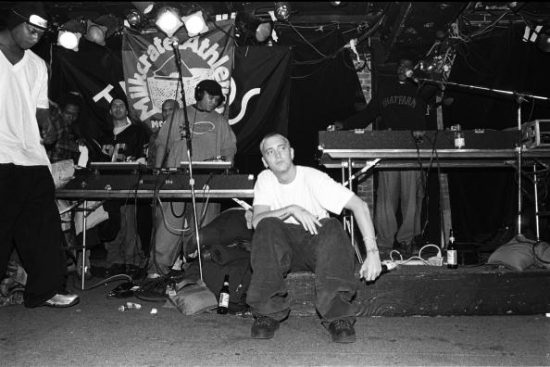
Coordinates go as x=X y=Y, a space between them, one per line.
x=252 y=29
x=144 y=7
x=263 y=31
x=543 y=41
x=133 y=18
x=96 y=33
x=282 y=10
x=70 y=33
x=68 y=39
x=168 y=20
x=195 y=24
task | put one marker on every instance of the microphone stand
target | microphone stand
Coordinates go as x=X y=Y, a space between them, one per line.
x=189 y=146
x=519 y=98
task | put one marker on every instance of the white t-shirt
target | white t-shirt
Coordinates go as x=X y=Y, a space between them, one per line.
x=311 y=189
x=23 y=89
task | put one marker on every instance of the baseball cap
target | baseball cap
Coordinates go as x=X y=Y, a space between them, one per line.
x=212 y=87
x=33 y=13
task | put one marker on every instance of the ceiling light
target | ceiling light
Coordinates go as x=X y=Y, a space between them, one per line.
x=144 y=7
x=96 y=33
x=263 y=31
x=195 y=24
x=133 y=18
x=69 y=39
x=168 y=21
x=543 y=41
x=282 y=10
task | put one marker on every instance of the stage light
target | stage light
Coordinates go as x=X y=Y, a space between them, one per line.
x=543 y=41
x=263 y=31
x=96 y=33
x=335 y=3
x=168 y=21
x=252 y=29
x=68 y=39
x=195 y=24
x=144 y=7
x=515 y=5
x=133 y=18
x=282 y=10
x=70 y=33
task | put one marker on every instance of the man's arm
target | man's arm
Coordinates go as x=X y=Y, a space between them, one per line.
x=228 y=147
x=159 y=155
x=371 y=267
x=43 y=118
x=308 y=220
x=362 y=118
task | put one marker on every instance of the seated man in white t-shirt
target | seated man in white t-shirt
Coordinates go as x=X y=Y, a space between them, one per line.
x=293 y=231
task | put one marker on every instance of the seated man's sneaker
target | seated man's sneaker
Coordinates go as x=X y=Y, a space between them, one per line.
x=342 y=331
x=264 y=327
x=62 y=300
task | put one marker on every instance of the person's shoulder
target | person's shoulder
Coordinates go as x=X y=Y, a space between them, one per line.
x=310 y=171
x=35 y=58
x=266 y=174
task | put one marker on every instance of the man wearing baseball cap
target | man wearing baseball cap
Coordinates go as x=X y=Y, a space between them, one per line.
x=29 y=219
x=212 y=139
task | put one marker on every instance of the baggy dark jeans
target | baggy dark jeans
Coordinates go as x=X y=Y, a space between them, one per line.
x=29 y=220
x=279 y=247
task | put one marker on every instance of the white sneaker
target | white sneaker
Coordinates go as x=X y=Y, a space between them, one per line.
x=62 y=300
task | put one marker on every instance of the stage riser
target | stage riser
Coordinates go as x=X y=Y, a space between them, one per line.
x=433 y=291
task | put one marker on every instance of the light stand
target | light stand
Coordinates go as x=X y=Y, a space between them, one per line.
x=520 y=98
x=188 y=140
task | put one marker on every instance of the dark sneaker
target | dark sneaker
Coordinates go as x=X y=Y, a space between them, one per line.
x=342 y=331
x=152 y=289
x=264 y=327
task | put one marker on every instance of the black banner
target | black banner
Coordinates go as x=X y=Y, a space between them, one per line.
x=259 y=97
x=96 y=73
x=262 y=78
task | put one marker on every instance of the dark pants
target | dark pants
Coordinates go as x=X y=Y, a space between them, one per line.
x=29 y=220
x=278 y=248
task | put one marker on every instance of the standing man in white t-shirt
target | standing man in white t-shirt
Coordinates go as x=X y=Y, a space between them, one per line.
x=293 y=231
x=29 y=218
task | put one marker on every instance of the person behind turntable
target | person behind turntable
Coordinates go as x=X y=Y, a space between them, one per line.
x=212 y=138
x=399 y=104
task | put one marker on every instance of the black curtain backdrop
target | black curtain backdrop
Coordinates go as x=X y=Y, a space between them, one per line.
x=323 y=88
x=88 y=71
x=265 y=70
x=94 y=68
x=485 y=200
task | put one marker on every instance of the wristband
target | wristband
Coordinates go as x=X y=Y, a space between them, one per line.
x=369 y=239
x=372 y=250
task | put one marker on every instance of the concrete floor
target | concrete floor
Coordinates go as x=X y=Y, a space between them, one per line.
x=95 y=333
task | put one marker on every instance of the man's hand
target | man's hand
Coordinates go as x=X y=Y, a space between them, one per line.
x=337 y=125
x=305 y=218
x=248 y=214
x=371 y=268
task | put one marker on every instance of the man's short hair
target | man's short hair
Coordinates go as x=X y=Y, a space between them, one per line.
x=120 y=99
x=73 y=98
x=270 y=135
x=170 y=100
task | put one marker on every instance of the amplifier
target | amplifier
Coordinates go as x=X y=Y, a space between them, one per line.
x=536 y=134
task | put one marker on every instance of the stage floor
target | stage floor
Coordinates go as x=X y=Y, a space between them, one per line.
x=95 y=333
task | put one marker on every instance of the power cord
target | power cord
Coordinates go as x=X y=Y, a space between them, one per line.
x=113 y=278
x=417 y=259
